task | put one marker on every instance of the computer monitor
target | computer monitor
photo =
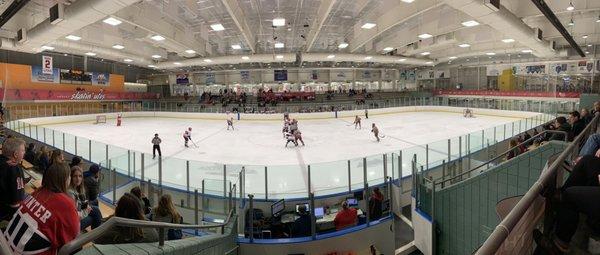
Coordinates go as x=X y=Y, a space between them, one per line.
x=352 y=202
x=319 y=212
x=277 y=208
x=298 y=207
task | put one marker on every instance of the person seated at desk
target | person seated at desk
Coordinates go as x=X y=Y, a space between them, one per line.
x=301 y=226
x=346 y=217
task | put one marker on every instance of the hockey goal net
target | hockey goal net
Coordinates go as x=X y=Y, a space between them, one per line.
x=100 y=119
x=468 y=113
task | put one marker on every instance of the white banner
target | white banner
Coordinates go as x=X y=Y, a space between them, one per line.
x=47 y=65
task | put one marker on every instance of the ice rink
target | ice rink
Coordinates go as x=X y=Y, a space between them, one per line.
x=255 y=144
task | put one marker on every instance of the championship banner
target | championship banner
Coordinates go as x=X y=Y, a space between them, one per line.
x=47 y=65
x=245 y=76
x=37 y=75
x=182 y=78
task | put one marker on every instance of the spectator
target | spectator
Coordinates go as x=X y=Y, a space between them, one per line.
x=560 y=124
x=535 y=145
x=57 y=157
x=76 y=161
x=586 y=116
x=596 y=108
x=376 y=204
x=128 y=207
x=49 y=215
x=12 y=182
x=89 y=215
x=41 y=159
x=591 y=146
x=579 y=190
x=346 y=217
x=91 y=180
x=302 y=226
x=577 y=124
x=30 y=153
x=514 y=149
x=166 y=212
x=144 y=202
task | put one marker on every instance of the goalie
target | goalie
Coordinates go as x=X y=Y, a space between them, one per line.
x=468 y=113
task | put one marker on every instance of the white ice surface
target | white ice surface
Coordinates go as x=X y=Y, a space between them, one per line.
x=255 y=144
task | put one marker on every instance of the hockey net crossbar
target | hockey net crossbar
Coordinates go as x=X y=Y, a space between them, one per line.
x=100 y=119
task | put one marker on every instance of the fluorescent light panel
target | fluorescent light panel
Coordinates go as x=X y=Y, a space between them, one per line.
x=127 y=60
x=464 y=45
x=408 y=1
x=118 y=47
x=236 y=46
x=343 y=45
x=157 y=38
x=388 y=49
x=527 y=51
x=156 y=56
x=279 y=56
x=45 y=47
x=331 y=56
x=278 y=22
x=452 y=57
x=245 y=57
x=90 y=53
x=508 y=40
x=217 y=27
x=401 y=60
x=112 y=21
x=425 y=36
x=152 y=66
x=368 y=25
x=279 y=45
x=490 y=53
x=177 y=63
x=368 y=58
x=425 y=53
x=207 y=60
x=190 y=51
x=73 y=37
x=470 y=23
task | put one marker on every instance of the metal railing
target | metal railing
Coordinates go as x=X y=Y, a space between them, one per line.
x=502 y=231
x=124 y=222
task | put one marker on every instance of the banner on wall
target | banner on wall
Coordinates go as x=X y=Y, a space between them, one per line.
x=407 y=75
x=209 y=78
x=441 y=74
x=75 y=77
x=245 y=76
x=366 y=74
x=314 y=75
x=37 y=75
x=47 y=65
x=529 y=69
x=425 y=75
x=585 y=66
x=182 y=78
x=100 y=79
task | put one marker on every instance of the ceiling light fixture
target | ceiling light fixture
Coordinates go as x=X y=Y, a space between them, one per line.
x=279 y=57
x=368 y=25
x=425 y=53
x=585 y=36
x=508 y=40
x=464 y=45
x=571 y=23
x=177 y=63
x=527 y=51
x=236 y=46
x=152 y=66
x=127 y=60
x=470 y=23
x=112 y=21
x=190 y=51
x=490 y=53
x=156 y=56
x=425 y=36
x=401 y=60
x=45 y=47
x=73 y=37
x=452 y=57
x=388 y=49
x=217 y=27
x=207 y=60
x=598 y=19
x=278 y=22
x=157 y=38
x=343 y=45
x=368 y=58
x=408 y=1
x=570 y=7
x=118 y=47
x=331 y=56
x=279 y=45
x=245 y=57
x=429 y=62
x=90 y=53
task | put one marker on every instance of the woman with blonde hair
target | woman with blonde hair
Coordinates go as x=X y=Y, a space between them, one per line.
x=89 y=215
x=166 y=212
x=57 y=157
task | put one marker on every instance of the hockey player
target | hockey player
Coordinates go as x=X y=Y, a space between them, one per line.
x=119 y=118
x=290 y=138
x=187 y=135
x=357 y=122
x=293 y=126
x=286 y=128
x=230 y=124
x=375 y=131
x=298 y=137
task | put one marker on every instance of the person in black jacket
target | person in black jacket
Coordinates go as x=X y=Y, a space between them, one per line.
x=12 y=181
x=30 y=153
x=577 y=124
x=91 y=180
x=301 y=226
x=560 y=124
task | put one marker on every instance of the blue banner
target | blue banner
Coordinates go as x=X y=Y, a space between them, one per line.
x=38 y=76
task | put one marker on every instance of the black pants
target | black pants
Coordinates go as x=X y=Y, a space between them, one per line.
x=155 y=148
x=585 y=173
x=575 y=200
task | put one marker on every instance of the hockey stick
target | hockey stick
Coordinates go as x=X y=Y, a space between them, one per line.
x=194 y=143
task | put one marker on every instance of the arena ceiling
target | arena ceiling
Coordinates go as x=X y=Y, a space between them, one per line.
x=168 y=34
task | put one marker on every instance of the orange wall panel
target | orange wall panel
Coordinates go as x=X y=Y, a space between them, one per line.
x=16 y=76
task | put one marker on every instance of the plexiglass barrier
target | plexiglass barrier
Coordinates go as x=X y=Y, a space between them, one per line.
x=276 y=182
